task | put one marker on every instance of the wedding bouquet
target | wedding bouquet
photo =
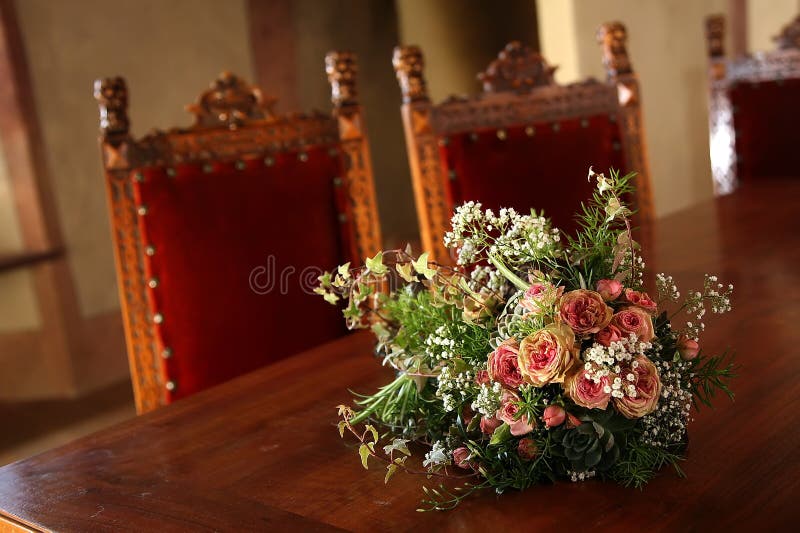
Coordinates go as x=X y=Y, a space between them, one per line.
x=538 y=357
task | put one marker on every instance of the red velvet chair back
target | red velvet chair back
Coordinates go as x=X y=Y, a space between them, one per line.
x=754 y=111
x=221 y=230
x=525 y=141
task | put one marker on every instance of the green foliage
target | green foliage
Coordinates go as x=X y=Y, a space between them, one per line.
x=639 y=463
x=712 y=374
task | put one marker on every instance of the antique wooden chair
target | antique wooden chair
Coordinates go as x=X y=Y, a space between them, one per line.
x=753 y=109
x=221 y=229
x=525 y=141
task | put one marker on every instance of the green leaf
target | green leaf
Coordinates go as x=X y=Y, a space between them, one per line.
x=421 y=266
x=404 y=269
x=375 y=264
x=344 y=270
x=501 y=434
x=363 y=451
x=390 y=470
x=342 y=426
x=331 y=298
x=371 y=429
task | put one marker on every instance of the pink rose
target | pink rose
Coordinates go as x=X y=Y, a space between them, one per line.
x=503 y=365
x=482 y=377
x=641 y=299
x=547 y=355
x=609 y=289
x=632 y=319
x=584 y=311
x=645 y=386
x=688 y=348
x=540 y=296
x=586 y=392
x=461 y=457
x=508 y=413
x=608 y=334
x=488 y=425
x=554 y=415
x=527 y=449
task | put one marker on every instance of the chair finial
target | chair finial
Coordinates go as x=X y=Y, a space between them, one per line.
x=715 y=36
x=409 y=66
x=342 y=70
x=613 y=37
x=112 y=98
x=789 y=37
x=517 y=68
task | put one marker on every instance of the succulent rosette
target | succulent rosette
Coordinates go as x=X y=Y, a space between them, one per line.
x=540 y=356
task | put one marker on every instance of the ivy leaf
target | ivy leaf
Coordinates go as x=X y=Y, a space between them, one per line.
x=331 y=298
x=397 y=444
x=363 y=451
x=375 y=264
x=344 y=270
x=421 y=266
x=374 y=432
x=501 y=434
x=380 y=331
x=325 y=279
x=390 y=470
x=342 y=426
x=405 y=271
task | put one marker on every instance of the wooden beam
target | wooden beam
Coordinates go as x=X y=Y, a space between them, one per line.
x=737 y=14
x=273 y=43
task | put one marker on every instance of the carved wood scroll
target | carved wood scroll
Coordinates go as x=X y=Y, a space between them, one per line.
x=517 y=68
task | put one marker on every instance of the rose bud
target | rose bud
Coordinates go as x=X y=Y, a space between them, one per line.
x=573 y=421
x=688 y=348
x=554 y=415
x=607 y=335
x=609 y=289
x=641 y=299
x=482 y=377
x=526 y=449
x=488 y=425
x=461 y=457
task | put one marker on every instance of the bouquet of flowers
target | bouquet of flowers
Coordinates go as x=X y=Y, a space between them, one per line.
x=538 y=357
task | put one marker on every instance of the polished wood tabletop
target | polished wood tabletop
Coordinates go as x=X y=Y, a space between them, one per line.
x=262 y=451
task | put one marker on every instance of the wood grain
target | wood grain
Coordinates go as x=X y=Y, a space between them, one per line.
x=262 y=451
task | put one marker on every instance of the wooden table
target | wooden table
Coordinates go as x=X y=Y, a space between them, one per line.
x=261 y=452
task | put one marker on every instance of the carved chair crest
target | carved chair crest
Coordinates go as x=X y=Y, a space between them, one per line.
x=789 y=37
x=230 y=101
x=517 y=68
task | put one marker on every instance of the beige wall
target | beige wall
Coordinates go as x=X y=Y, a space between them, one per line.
x=168 y=50
x=667 y=48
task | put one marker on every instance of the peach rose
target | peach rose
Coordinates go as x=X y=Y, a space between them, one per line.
x=540 y=296
x=608 y=334
x=647 y=387
x=688 y=348
x=508 y=413
x=609 y=289
x=586 y=392
x=584 y=311
x=635 y=320
x=546 y=356
x=489 y=424
x=503 y=365
x=554 y=415
x=461 y=457
x=641 y=299
x=482 y=377
x=527 y=449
